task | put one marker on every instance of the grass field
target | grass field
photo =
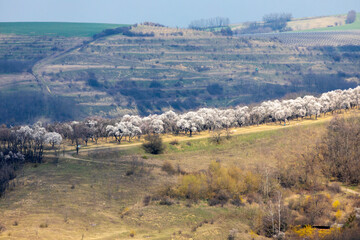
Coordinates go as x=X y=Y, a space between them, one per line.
x=55 y=28
x=353 y=26
x=96 y=199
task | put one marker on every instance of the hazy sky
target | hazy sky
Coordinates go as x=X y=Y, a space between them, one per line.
x=168 y=12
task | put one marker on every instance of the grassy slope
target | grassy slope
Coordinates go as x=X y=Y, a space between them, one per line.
x=55 y=28
x=313 y=24
x=106 y=204
x=352 y=26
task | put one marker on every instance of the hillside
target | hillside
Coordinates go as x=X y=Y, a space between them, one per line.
x=93 y=196
x=64 y=29
x=339 y=27
x=179 y=69
x=321 y=23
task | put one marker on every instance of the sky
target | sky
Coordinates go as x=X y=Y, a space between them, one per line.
x=168 y=12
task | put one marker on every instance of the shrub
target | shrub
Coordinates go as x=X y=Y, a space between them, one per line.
x=2 y=228
x=43 y=225
x=315 y=207
x=334 y=187
x=215 y=89
x=336 y=204
x=166 y=201
x=146 y=200
x=216 y=138
x=232 y=234
x=153 y=144
x=132 y=233
x=168 y=167
x=137 y=167
x=92 y=82
x=192 y=186
x=174 y=142
x=237 y=201
x=217 y=185
x=338 y=214
x=254 y=197
x=221 y=198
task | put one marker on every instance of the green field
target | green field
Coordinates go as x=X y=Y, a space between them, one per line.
x=55 y=28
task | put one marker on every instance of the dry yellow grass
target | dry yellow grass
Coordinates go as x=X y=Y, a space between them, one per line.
x=317 y=22
x=299 y=24
x=167 y=32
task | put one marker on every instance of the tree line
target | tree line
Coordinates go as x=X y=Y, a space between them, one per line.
x=22 y=144
x=26 y=143
x=209 y=23
x=271 y=22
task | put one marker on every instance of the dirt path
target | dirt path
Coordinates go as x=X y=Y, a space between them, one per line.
x=203 y=135
x=345 y=189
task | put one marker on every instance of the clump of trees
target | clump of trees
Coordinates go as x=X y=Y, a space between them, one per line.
x=209 y=23
x=277 y=21
x=22 y=144
x=121 y=30
x=271 y=22
x=152 y=24
x=351 y=17
x=339 y=153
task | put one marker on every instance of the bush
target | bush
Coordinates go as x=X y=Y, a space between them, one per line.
x=132 y=233
x=218 y=185
x=166 y=201
x=237 y=201
x=168 y=167
x=334 y=187
x=339 y=153
x=2 y=228
x=146 y=200
x=215 y=89
x=315 y=207
x=336 y=204
x=221 y=198
x=216 y=138
x=174 y=142
x=43 y=225
x=137 y=167
x=153 y=144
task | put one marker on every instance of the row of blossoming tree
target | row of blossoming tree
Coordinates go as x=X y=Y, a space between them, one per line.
x=25 y=138
x=26 y=143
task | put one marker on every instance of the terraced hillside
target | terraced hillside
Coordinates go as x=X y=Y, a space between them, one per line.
x=183 y=69
x=183 y=72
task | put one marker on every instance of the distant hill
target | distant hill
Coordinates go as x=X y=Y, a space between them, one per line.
x=321 y=23
x=55 y=28
x=158 y=68
x=353 y=26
